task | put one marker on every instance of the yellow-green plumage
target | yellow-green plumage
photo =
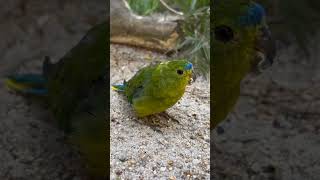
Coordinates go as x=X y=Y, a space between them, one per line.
x=232 y=59
x=157 y=87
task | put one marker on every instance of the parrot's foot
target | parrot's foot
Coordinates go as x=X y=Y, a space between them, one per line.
x=153 y=122
x=167 y=116
x=158 y=121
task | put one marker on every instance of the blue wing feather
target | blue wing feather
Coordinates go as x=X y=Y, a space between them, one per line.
x=119 y=87
x=28 y=78
x=32 y=84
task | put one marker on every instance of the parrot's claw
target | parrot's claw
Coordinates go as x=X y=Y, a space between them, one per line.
x=158 y=121
x=167 y=116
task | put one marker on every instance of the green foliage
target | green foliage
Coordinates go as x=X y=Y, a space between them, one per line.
x=147 y=7
x=189 y=5
x=144 y=7
x=196 y=43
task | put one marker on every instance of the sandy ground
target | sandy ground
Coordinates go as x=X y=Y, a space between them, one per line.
x=31 y=146
x=274 y=130
x=157 y=148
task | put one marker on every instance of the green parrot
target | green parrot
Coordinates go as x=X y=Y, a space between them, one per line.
x=75 y=90
x=242 y=44
x=157 y=87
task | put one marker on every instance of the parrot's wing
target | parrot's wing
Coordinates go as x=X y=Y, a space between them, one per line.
x=137 y=84
x=89 y=129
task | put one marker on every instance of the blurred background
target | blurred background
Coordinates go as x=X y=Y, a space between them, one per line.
x=31 y=146
x=273 y=132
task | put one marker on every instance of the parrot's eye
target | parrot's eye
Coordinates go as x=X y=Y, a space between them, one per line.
x=180 y=72
x=223 y=33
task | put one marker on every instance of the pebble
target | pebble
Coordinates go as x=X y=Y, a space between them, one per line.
x=162 y=168
x=123 y=158
x=196 y=161
x=131 y=162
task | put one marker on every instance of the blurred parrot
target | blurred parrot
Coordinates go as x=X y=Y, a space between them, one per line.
x=242 y=44
x=157 y=87
x=75 y=90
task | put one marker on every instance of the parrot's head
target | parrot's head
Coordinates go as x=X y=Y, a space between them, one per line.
x=242 y=44
x=178 y=71
x=240 y=29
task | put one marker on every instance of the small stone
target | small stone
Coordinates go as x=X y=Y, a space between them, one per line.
x=118 y=172
x=187 y=173
x=162 y=168
x=132 y=162
x=172 y=178
x=123 y=158
x=196 y=161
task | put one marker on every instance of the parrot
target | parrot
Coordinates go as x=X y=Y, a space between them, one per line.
x=75 y=90
x=242 y=44
x=156 y=87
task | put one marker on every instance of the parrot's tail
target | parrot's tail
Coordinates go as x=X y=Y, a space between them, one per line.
x=30 y=84
x=119 y=87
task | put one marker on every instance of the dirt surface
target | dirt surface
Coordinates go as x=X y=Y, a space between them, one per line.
x=157 y=147
x=31 y=146
x=273 y=132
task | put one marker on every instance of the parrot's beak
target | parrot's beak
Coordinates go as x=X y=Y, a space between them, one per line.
x=191 y=78
x=189 y=69
x=265 y=50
